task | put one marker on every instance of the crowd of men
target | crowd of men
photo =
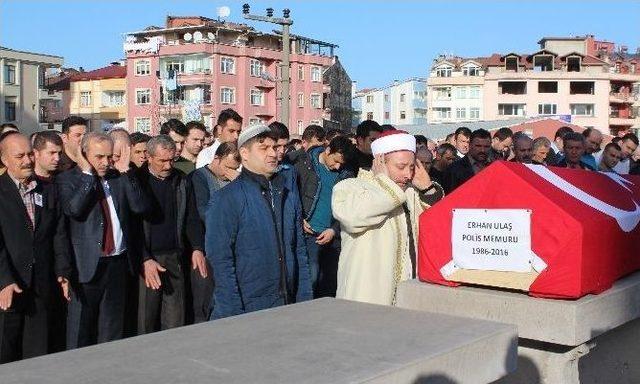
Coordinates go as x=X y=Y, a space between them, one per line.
x=110 y=235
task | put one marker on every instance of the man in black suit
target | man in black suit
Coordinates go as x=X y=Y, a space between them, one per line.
x=33 y=252
x=473 y=162
x=98 y=202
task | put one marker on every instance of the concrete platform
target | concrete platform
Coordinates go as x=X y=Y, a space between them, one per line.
x=565 y=322
x=324 y=341
x=590 y=340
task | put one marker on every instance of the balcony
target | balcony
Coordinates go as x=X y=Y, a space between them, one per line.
x=621 y=97
x=265 y=83
x=621 y=117
x=46 y=94
x=261 y=111
x=419 y=104
x=193 y=78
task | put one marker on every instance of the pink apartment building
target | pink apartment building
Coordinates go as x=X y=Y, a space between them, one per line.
x=195 y=67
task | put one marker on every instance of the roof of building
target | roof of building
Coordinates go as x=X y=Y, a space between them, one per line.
x=60 y=81
x=439 y=131
x=110 y=72
x=30 y=53
x=535 y=127
x=363 y=91
x=575 y=38
x=524 y=59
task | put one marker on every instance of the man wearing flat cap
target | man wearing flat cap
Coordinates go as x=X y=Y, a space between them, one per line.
x=378 y=214
x=255 y=241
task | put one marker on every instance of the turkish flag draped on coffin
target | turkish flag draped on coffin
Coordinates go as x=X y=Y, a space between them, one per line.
x=584 y=225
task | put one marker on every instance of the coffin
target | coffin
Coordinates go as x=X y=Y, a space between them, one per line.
x=582 y=229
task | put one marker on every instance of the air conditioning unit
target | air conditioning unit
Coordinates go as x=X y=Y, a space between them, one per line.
x=207 y=71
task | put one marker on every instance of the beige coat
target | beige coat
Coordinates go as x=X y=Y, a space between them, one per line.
x=375 y=245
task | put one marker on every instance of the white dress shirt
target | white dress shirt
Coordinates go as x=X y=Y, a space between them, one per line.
x=118 y=241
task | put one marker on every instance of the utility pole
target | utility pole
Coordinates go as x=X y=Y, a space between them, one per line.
x=284 y=80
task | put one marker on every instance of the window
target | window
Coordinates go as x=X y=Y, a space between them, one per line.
x=256 y=68
x=174 y=96
x=315 y=101
x=316 y=122
x=143 y=124
x=461 y=92
x=369 y=98
x=316 y=74
x=402 y=97
x=547 y=87
x=85 y=99
x=227 y=65
x=573 y=64
x=386 y=115
x=474 y=92
x=197 y=64
x=143 y=96
x=143 y=67
x=403 y=115
x=175 y=65
x=386 y=98
x=443 y=93
x=474 y=113
x=582 y=109
x=543 y=63
x=369 y=115
x=113 y=99
x=512 y=87
x=9 y=111
x=254 y=121
x=420 y=94
x=300 y=126
x=301 y=100
x=471 y=71
x=461 y=113
x=511 y=109
x=256 y=97
x=9 y=74
x=581 y=88
x=547 y=109
x=301 y=72
x=443 y=72
x=511 y=63
x=227 y=95
x=442 y=113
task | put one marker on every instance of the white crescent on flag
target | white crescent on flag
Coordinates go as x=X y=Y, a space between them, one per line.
x=627 y=220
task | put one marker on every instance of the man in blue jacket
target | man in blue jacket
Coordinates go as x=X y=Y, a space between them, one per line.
x=318 y=170
x=254 y=239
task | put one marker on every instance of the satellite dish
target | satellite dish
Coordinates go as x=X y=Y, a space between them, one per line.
x=187 y=36
x=211 y=36
x=224 y=11
x=197 y=36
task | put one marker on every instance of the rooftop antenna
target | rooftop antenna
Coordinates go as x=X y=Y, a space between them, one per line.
x=223 y=12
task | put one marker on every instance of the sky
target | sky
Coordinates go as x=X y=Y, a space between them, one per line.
x=379 y=41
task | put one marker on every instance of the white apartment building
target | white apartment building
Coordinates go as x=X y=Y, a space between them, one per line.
x=455 y=90
x=400 y=103
x=22 y=88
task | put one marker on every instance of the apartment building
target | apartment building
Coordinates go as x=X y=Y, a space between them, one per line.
x=455 y=90
x=399 y=103
x=584 y=80
x=100 y=97
x=194 y=67
x=22 y=88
